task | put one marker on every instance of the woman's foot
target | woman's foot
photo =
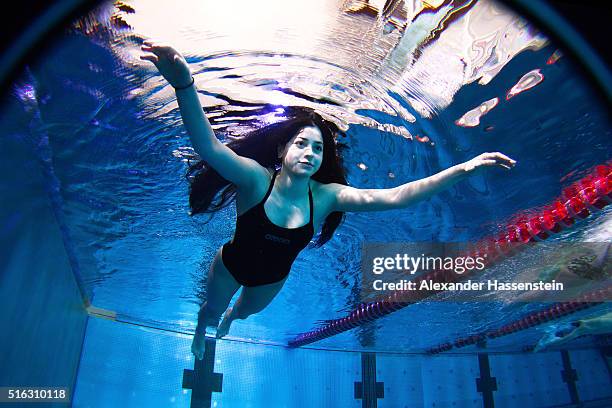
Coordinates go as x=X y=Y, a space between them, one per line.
x=198 y=344
x=225 y=324
x=199 y=339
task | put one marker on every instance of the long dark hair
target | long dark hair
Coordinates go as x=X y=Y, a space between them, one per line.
x=209 y=192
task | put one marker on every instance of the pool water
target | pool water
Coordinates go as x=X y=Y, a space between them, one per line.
x=104 y=270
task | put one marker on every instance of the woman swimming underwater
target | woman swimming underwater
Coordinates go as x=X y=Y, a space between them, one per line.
x=278 y=210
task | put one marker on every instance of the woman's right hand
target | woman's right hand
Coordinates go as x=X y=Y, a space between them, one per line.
x=168 y=61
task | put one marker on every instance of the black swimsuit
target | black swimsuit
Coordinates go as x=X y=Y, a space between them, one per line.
x=262 y=252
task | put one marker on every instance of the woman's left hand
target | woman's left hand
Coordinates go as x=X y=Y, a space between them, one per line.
x=496 y=159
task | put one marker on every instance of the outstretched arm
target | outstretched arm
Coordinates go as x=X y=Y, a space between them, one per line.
x=594 y=325
x=355 y=199
x=558 y=337
x=171 y=64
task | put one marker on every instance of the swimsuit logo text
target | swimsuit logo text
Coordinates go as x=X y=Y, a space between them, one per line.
x=274 y=238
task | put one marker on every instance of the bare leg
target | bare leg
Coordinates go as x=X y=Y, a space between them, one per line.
x=221 y=287
x=252 y=300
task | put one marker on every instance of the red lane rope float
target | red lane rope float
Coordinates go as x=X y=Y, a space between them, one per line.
x=553 y=312
x=590 y=194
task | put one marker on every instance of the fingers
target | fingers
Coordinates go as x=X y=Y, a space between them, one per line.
x=497 y=156
x=507 y=160
x=499 y=159
x=488 y=162
x=155 y=46
x=150 y=46
x=150 y=57
x=149 y=52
